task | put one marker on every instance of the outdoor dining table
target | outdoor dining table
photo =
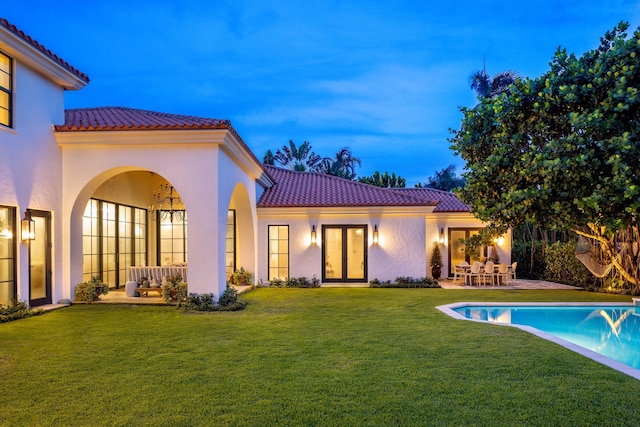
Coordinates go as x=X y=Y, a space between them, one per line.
x=467 y=268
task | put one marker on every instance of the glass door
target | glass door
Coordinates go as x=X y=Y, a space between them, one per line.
x=344 y=254
x=457 y=249
x=40 y=259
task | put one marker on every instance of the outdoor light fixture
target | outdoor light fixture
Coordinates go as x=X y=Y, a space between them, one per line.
x=28 y=227
x=498 y=240
x=313 y=235
x=441 y=239
x=375 y=235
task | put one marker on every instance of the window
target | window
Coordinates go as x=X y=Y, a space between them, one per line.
x=278 y=251
x=344 y=253
x=230 y=248
x=114 y=238
x=172 y=239
x=6 y=90
x=457 y=248
x=7 y=255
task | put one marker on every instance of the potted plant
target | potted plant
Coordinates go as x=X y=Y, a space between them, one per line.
x=436 y=261
x=174 y=290
x=91 y=290
x=242 y=277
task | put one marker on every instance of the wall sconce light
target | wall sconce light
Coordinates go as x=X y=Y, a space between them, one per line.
x=498 y=240
x=375 y=235
x=28 y=227
x=441 y=238
x=314 y=237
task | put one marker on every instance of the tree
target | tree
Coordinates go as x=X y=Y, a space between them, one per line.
x=563 y=151
x=486 y=86
x=268 y=158
x=384 y=180
x=342 y=165
x=298 y=158
x=445 y=179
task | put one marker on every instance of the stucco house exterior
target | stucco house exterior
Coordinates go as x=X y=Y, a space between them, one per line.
x=99 y=190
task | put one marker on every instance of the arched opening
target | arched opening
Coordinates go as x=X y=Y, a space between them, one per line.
x=240 y=248
x=123 y=219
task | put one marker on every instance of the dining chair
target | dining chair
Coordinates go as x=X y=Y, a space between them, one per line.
x=489 y=273
x=460 y=271
x=512 y=270
x=474 y=271
x=503 y=274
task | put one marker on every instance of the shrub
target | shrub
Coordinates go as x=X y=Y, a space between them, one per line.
x=529 y=266
x=405 y=282
x=206 y=302
x=175 y=291
x=91 y=290
x=292 y=282
x=562 y=266
x=17 y=310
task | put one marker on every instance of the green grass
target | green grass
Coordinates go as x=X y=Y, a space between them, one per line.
x=326 y=357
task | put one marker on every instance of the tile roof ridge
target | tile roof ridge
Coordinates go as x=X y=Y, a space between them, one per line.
x=34 y=43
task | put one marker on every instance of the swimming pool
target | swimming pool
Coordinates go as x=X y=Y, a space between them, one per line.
x=609 y=334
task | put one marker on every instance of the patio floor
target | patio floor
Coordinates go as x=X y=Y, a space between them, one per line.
x=518 y=284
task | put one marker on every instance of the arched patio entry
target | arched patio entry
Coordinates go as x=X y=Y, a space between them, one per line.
x=240 y=248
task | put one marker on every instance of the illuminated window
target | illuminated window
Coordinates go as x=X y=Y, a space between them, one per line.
x=278 y=251
x=230 y=250
x=172 y=239
x=7 y=255
x=6 y=90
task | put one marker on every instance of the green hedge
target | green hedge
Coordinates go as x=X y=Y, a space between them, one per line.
x=562 y=266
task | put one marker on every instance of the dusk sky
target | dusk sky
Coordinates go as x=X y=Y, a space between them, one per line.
x=385 y=78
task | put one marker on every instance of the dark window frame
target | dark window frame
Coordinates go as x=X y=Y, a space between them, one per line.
x=269 y=249
x=9 y=91
x=365 y=243
x=13 y=229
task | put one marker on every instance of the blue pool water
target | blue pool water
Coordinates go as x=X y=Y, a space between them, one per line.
x=610 y=330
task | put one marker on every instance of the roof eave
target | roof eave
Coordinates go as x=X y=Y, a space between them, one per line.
x=25 y=52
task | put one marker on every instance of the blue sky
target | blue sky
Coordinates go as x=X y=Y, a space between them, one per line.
x=383 y=78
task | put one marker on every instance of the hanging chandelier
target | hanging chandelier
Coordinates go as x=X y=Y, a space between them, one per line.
x=165 y=205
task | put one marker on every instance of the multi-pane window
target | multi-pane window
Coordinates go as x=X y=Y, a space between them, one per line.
x=114 y=238
x=7 y=255
x=6 y=90
x=230 y=248
x=278 y=252
x=172 y=239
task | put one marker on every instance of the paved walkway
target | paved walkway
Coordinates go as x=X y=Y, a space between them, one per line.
x=518 y=284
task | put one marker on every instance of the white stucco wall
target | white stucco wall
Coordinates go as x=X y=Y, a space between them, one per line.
x=400 y=252
x=31 y=167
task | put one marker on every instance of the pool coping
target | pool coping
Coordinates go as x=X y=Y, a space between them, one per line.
x=604 y=360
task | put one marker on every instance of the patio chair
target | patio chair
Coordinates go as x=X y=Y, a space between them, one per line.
x=460 y=271
x=474 y=271
x=512 y=271
x=503 y=274
x=489 y=273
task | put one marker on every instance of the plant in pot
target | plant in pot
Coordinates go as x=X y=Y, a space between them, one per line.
x=242 y=277
x=436 y=261
x=174 y=290
x=91 y=290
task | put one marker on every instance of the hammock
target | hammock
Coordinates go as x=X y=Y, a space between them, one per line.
x=585 y=254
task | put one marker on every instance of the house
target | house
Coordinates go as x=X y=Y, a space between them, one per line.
x=99 y=190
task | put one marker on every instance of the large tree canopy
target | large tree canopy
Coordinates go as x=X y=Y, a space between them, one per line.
x=562 y=150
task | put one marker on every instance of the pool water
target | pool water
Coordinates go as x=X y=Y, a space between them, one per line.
x=610 y=330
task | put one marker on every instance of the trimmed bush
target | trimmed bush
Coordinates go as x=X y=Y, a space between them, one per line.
x=206 y=302
x=17 y=310
x=405 y=282
x=293 y=282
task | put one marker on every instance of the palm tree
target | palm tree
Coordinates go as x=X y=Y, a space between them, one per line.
x=486 y=86
x=343 y=165
x=445 y=179
x=298 y=158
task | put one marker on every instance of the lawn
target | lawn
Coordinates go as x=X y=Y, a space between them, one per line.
x=326 y=357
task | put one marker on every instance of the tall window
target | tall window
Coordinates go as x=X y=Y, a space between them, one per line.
x=172 y=240
x=457 y=249
x=278 y=251
x=230 y=249
x=114 y=238
x=7 y=255
x=6 y=90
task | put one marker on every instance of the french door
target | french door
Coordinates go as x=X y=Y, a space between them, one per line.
x=457 y=249
x=40 y=259
x=344 y=253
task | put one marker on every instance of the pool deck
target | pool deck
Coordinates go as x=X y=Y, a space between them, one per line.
x=518 y=284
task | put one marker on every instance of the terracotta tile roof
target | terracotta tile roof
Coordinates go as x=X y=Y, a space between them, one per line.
x=310 y=189
x=447 y=202
x=9 y=26
x=131 y=119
